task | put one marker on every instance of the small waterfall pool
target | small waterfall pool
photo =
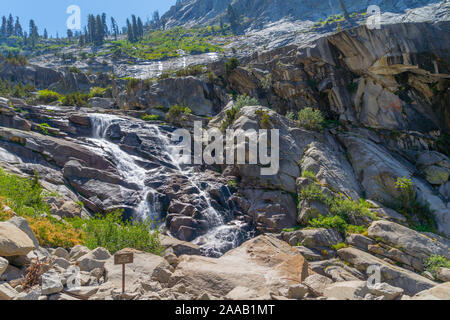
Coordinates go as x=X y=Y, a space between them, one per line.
x=221 y=236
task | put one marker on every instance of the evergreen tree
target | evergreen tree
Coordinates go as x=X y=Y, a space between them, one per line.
x=99 y=31
x=129 y=31
x=45 y=34
x=140 y=28
x=3 y=27
x=105 y=25
x=114 y=27
x=69 y=34
x=18 y=31
x=10 y=26
x=135 y=28
x=91 y=28
x=33 y=31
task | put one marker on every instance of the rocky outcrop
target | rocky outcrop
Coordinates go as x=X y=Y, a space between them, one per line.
x=264 y=265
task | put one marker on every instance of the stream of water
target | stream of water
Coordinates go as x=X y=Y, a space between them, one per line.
x=221 y=236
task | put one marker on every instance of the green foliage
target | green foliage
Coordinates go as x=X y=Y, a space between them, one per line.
x=340 y=209
x=176 y=111
x=233 y=184
x=24 y=196
x=352 y=87
x=339 y=246
x=152 y=117
x=313 y=193
x=79 y=99
x=166 y=44
x=74 y=70
x=434 y=262
x=43 y=128
x=309 y=174
x=48 y=96
x=18 y=90
x=311 y=119
x=190 y=71
x=407 y=194
x=98 y=92
x=112 y=233
x=14 y=59
x=346 y=207
x=265 y=119
x=291 y=115
x=232 y=113
x=409 y=206
x=329 y=222
x=230 y=65
x=132 y=84
x=244 y=101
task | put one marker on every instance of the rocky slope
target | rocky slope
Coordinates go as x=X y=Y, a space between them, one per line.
x=386 y=95
x=261 y=12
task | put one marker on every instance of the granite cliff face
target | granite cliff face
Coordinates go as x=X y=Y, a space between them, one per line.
x=262 y=12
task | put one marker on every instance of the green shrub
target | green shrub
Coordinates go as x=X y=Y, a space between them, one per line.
x=434 y=262
x=409 y=206
x=190 y=71
x=313 y=193
x=112 y=233
x=346 y=207
x=79 y=99
x=231 y=114
x=15 y=59
x=176 y=111
x=329 y=222
x=74 y=70
x=311 y=119
x=43 y=128
x=339 y=246
x=291 y=116
x=233 y=184
x=152 y=117
x=48 y=96
x=230 y=65
x=309 y=174
x=97 y=92
x=24 y=196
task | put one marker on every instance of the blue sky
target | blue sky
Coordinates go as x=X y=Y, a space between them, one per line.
x=51 y=14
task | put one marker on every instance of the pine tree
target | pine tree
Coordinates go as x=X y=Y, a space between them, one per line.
x=99 y=31
x=18 y=31
x=105 y=25
x=33 y=31
x=3 y=27
x=10 y=26
x=114 y=27
x=69 y=34
x=135 y=28
x=91 y=28
x=45 y=34
x=140 y=28
x=129 y=31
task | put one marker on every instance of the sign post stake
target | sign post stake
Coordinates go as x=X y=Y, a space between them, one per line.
x=123 y=259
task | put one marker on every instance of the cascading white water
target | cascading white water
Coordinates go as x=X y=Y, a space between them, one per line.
x=125 y=163
x=220 y=238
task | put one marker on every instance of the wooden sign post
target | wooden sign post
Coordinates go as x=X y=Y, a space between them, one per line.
x=123 y=259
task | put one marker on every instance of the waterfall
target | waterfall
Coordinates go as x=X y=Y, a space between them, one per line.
x=220 y=238
x=125 y=163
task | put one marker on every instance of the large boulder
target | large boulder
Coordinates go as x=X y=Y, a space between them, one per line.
x=440 y=292
x=13 y=241
x=410 y=282
x=347 y=290
x=263 y=265
x=409 y=241
x=22 y=224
